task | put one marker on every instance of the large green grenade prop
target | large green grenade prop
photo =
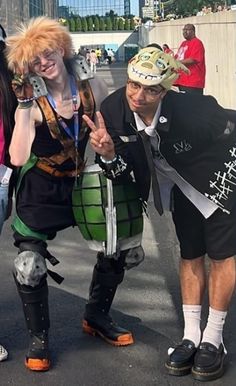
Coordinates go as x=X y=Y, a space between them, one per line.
x=105 y=209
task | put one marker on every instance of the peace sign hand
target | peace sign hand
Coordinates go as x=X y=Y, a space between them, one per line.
x=100 y=140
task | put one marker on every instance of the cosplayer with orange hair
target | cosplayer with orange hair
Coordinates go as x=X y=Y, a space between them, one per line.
x=38 y=36
x=54 y=89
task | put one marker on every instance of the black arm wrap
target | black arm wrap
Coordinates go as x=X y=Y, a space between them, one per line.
x=113 y=169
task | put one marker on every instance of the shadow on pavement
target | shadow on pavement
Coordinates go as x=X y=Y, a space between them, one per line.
x=148 y=303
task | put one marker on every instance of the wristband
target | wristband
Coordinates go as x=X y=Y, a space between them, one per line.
x=25 y=105
x=108 y=162
x=26 y=100
x=113 y=168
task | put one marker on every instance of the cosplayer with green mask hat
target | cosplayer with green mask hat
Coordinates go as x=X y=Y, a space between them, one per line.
x=187 y=143
x=152 y=66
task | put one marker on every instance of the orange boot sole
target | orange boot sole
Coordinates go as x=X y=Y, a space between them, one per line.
x=37 y=364
x=122 y=340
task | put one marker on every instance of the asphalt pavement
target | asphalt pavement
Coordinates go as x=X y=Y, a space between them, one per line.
x=147 y=302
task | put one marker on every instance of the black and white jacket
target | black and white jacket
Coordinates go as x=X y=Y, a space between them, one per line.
x=197 y=138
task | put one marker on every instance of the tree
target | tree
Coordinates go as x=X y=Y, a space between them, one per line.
x=90 y=24
x=127 y=24
x=84 y=25
x=78 y=26
x=185 y=7
x=108 y=24
x=115 y=24
x=111 y=14
x=63 y=21
x=132 y=24
x=102 y=24
x=96 y=23
x=72 y=24
x=121 y=24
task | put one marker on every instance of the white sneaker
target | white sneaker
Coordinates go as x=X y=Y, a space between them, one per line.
x=3 y=353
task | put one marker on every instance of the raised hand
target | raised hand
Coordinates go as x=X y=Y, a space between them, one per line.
x=21 y=84
x=27 y=86
x=22 y=88
x=100 y=140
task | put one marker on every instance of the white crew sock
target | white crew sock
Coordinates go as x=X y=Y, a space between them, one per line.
x=192 y=318
x=213 y=332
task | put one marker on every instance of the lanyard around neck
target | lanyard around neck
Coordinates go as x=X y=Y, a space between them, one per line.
x=74 y=135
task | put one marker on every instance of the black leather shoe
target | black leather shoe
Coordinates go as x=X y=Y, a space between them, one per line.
x=208 y=362
x=181 y=360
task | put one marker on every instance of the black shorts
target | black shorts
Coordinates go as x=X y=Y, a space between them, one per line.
x=215 y=236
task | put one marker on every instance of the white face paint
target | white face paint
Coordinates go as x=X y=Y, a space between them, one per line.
x=30 y=268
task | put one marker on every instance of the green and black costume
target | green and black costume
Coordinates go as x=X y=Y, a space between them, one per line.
x=44 y=207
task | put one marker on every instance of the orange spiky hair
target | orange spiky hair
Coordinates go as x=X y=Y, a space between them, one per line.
x=33 y=38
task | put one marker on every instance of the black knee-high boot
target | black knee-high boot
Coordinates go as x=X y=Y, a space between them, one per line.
x=97 y=319
x=35 y=307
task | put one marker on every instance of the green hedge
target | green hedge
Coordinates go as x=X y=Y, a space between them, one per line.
x=98 y=23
